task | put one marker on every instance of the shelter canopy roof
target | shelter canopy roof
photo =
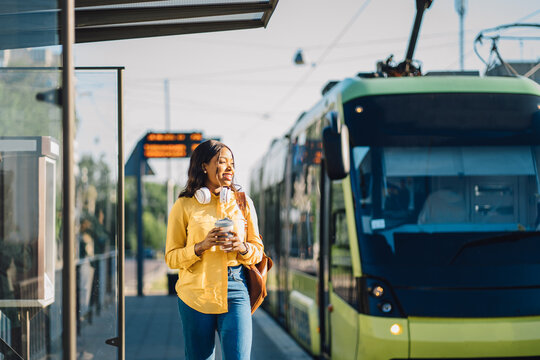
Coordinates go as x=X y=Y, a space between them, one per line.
x=33 y=23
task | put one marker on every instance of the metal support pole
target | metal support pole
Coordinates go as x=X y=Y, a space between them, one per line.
x=461 y=8
x=170 y=183
x=69 y=336
x=140 y=245
x=461 y=36
x=120 y=220
x=26 y=336
x=167 y=105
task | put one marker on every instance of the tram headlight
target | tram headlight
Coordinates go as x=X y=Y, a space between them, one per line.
x=377 y=291
x=396 y=329
x=378 y=299
x=385 y=307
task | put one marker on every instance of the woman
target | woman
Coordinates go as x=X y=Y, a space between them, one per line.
x=211 y=287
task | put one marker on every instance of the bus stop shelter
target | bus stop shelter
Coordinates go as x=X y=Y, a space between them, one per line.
x=58 y=25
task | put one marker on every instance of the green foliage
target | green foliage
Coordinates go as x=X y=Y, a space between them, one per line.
x=130 y=208
x=154 y=231
x=95 y=190
x=154 y=215
x=155 y=199
x=20 y=113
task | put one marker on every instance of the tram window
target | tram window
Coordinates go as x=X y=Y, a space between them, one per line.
x=460 y=185
x=362 y=158
x=429 y=201
x=341 y=272
x=271 y=230
x=305 y=199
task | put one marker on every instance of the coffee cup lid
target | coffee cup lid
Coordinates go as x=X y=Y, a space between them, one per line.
x=224 y=222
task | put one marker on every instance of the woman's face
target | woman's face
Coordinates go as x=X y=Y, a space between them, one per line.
x=220 y=170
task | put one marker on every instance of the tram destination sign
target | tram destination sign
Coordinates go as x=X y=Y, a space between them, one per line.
x=170 y=145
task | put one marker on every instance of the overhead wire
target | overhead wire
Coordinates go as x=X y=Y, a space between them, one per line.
x=302 y=81
x=190 y=105
x=270 y=46
x=320 y=59
x=528 y=16
x=199 y=106
x=388 y=40
x=453 y=65
x=266 y=69
x=218 y=73
x=375 y=54
x=158 y=84
x=267 y=116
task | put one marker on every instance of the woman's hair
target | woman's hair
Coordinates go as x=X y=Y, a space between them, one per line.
x=202 y=155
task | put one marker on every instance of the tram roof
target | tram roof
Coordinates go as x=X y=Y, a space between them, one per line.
x=353 y=88
x=356 y=87
x=34 y=23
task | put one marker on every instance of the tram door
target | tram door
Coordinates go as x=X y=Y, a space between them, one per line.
x=342 y=311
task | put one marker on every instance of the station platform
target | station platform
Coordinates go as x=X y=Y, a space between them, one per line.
x=153 y=331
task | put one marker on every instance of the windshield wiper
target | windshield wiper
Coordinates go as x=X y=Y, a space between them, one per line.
x=509 y=237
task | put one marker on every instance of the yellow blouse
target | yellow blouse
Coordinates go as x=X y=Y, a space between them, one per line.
x=202 y=281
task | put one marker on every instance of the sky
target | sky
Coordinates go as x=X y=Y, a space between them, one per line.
x=243 y=86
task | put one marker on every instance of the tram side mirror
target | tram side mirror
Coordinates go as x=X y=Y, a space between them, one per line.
x=335 y=139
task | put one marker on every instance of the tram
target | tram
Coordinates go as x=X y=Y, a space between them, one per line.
x=403 y=217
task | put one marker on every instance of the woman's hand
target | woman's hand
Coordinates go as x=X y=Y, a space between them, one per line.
x=214 y=237
x=235 y=244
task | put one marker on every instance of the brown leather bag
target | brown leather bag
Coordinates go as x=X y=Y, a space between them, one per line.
x=256 y=274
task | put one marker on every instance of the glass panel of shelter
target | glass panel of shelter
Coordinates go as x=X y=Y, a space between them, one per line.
x=96 y=180
x=30 y=184
x=31 y=209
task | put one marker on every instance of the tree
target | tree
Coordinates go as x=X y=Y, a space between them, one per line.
x=154 y=232
x=20 y=113
x=154 y=215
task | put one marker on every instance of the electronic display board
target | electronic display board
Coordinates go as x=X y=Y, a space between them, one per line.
x=170 y=145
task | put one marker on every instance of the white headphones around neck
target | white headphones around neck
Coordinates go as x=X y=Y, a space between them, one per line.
x=203 y=195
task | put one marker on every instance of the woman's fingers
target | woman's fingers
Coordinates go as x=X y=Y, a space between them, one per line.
x=214 y=232
x=236 y=245
x=228 y=241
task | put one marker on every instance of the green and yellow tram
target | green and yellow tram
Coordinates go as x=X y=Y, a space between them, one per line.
x=403 y=218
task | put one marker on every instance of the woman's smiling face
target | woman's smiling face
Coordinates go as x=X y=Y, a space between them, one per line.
x=220 y=170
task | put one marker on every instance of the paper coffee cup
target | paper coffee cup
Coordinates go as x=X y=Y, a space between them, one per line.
x=226 y=225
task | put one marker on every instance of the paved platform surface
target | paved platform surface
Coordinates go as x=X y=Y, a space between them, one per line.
x=153 y=332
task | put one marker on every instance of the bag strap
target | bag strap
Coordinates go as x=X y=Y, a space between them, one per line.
x=242 y=202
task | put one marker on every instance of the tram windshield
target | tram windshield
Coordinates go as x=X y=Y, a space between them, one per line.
x=446 y=199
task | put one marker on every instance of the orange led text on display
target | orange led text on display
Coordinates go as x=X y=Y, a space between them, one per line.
x=170 y=145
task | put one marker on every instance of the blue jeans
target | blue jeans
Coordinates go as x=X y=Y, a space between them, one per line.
x=233 y=327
